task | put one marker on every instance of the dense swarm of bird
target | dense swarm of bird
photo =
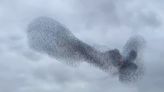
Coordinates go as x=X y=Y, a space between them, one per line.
x=47 y=35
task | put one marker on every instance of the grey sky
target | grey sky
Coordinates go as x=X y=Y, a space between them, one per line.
x=100 y=23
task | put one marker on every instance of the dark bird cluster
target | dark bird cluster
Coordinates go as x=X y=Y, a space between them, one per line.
x=47 y=35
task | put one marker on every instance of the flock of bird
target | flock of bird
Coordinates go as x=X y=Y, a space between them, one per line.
x=46 y=35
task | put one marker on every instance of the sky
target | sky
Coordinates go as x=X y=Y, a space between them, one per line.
x=104 y=24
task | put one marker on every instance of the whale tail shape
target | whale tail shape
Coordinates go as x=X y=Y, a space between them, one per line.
x=47 y=35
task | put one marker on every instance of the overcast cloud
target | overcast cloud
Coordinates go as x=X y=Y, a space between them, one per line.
x=105 y=24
